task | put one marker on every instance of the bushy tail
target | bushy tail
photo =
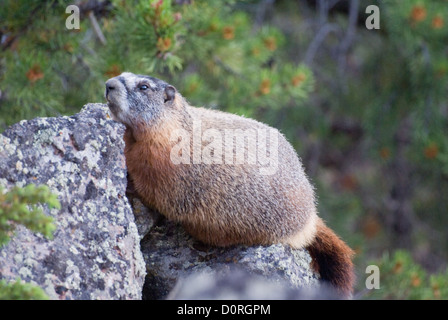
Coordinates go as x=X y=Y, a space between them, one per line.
x=332 y=258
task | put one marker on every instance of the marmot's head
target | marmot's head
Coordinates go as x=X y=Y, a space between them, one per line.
x=138 y=100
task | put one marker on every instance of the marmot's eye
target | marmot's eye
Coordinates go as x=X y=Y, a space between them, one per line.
x=143 y=87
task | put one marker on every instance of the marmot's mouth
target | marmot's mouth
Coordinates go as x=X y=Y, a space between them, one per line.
x=114 y=108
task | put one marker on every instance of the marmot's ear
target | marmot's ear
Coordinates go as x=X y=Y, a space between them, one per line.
x=169 y=94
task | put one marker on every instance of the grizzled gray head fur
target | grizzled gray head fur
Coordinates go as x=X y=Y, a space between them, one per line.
x=133 y=98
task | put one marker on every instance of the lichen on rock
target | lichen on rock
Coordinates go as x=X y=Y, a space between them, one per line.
x=95 y=253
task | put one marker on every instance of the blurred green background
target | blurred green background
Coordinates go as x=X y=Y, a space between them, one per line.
x=365 y=109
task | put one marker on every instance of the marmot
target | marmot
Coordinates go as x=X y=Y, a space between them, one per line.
x=186 y=162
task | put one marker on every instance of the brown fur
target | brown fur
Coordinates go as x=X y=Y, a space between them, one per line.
x=332 y=258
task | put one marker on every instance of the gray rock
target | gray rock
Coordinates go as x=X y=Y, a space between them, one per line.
x=171 y=255
x=95 y=253
x=145 y=218
x=239 y=284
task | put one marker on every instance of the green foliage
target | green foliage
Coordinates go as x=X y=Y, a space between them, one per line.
x=405 y=114
x=20 y=206
x=417 y=38
x=209 y=50
x=402 y=278
x=19 y=290
x=35 y=69
x=404 y=76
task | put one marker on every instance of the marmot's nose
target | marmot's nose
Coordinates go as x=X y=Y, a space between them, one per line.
x=111 y=84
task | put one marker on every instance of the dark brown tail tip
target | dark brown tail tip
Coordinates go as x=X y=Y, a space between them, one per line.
x=332 y=258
